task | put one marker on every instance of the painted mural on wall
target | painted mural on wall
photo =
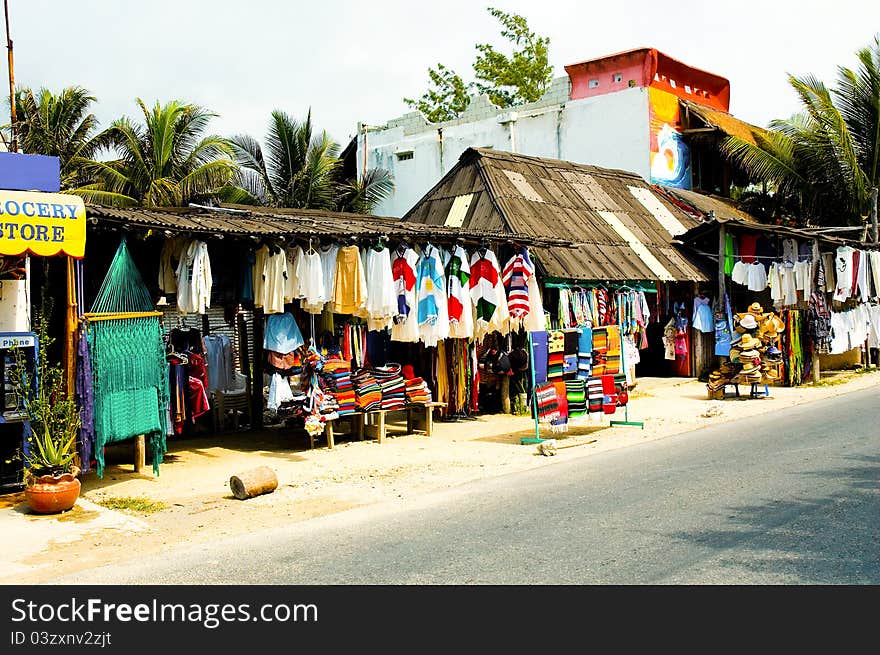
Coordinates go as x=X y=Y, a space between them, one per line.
x=670 y=155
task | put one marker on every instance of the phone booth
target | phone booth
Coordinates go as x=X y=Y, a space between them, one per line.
x=16 y=348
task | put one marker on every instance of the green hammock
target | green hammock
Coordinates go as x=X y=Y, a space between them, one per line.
x=129 y=370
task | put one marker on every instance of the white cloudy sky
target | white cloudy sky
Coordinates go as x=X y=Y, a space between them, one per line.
x=354 y=61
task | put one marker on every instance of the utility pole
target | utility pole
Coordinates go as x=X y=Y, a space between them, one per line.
x=14 y=144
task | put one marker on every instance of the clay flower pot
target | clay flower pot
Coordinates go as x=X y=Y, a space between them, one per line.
x=50 y=494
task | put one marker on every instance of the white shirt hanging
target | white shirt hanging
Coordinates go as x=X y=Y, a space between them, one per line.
x=194 y=279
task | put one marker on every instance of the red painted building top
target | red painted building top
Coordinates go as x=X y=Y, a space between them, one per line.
x=648 y=67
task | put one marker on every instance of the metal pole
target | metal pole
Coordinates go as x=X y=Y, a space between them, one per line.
x=14 y=145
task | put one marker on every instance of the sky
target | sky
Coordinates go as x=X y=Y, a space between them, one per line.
x=354 y=61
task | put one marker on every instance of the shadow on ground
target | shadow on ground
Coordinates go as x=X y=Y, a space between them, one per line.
x=786 y=539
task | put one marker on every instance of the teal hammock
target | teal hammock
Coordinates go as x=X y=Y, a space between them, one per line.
x=129 y=370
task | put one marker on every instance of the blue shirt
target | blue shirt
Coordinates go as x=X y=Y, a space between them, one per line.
x=282 y=334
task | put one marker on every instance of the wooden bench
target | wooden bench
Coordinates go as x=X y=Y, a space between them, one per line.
x=372 y=424
x=426 y=413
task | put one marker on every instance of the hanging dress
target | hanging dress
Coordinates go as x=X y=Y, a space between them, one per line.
x=310 y=276
x=380 y=307
x=350 y=285
x=703 y=319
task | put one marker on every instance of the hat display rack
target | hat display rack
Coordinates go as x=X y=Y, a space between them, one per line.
x=755 y=357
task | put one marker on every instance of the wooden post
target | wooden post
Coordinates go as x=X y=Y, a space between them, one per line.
x=140 y=453
x=817 y=374
x=505 y=394
x=722 y=238
x=257 y=384
x=874 y=235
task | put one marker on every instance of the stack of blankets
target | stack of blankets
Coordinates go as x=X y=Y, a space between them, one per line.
x=337 y=374
x=368 y=393
x=417 y=392
x=391 y=381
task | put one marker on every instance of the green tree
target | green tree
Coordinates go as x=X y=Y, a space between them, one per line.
x=822 y=162
x=59 y=125
x=519 y=78
x=165 y=161
x=447 y=98
x=525 y=75
x=300 y=169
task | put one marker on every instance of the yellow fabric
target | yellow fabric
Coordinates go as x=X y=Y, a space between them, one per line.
x=350 y=288
x=442 y=379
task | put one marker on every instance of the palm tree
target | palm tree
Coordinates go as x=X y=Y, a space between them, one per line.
x=300 y=169
x=59 y=125
x=823 y=161
x=166 y=161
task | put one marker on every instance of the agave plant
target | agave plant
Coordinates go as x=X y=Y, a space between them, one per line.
x=824 y=160
x=52 y=414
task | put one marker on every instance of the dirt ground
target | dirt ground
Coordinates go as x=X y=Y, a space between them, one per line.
x=193 y=502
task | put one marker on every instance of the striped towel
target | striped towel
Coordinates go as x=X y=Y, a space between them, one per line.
x=560 y=424
x=576 y=395
x=548 y=407
x=595 y=396
x=585 y=353
x=609 y=394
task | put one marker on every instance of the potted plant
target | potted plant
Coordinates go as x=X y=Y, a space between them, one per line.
x=50 y=469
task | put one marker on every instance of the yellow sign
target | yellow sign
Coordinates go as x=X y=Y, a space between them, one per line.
x=42 y=223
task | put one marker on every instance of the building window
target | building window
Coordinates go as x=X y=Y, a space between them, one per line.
x=617 y=77
x=594 y=83
x=403 y=156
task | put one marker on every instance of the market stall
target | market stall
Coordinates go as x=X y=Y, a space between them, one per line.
x=321 y=319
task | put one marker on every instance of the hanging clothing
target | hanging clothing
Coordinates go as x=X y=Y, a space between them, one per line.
x=405 y=325
x=194 y=279
x=484 y=289
x=270 y=279
x=380 y=306
x=282 y=334
x=843 y=268
x=874 y=259
x=433 y=312
x=218 y=351
x=515 y=277
x=729 y=254
x=459 y=303
x=292 y=277
x=789 y=253
x=279 y=392
x=328 y=269
x=757 y=277
x=350 y=286
x=536 y=320
x=169 y=258
x=310 y=275
x=703 y=320
x=747 y=247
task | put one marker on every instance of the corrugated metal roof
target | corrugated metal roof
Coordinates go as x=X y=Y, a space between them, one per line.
x=244 y=221
x=723 y=121
x=595 y=207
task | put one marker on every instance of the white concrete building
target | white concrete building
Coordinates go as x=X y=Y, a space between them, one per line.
x=626 y=111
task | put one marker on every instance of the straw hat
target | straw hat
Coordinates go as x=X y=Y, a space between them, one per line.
x=750 y=354
x=748 y=343
x=748 y=368
x=756 y=309
x=734 y=354
x=748 y=321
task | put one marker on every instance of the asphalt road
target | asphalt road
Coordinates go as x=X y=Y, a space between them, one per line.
x=785 y=498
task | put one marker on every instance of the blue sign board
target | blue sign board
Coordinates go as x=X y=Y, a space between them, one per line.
x=29 y=172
